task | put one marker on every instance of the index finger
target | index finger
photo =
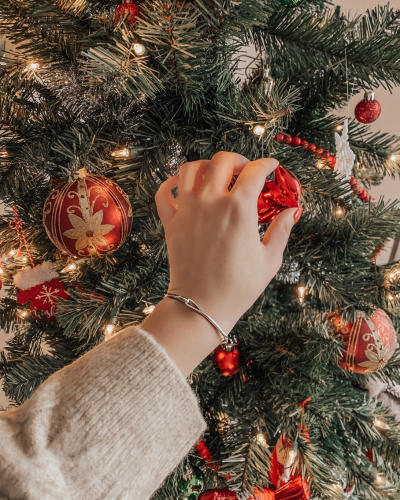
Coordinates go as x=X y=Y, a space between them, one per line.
x=252 y=178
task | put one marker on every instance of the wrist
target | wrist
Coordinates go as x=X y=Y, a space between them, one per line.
x=187 y=336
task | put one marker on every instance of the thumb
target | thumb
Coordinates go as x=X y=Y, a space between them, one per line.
x=277 y=235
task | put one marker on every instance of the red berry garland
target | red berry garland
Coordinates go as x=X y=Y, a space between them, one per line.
x=297 y=141
x=205 y=454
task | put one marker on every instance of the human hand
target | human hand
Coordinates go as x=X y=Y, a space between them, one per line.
x=215 y=253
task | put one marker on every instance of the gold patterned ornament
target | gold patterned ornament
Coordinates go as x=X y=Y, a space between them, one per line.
x=369 y=342
x=89 y=217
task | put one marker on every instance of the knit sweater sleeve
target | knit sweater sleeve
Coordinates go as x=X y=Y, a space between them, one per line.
x=110 y=426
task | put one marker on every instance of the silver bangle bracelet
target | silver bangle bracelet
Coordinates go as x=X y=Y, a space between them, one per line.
x=192 y=305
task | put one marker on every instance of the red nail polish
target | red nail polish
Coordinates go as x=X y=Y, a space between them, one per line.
x=297 y=215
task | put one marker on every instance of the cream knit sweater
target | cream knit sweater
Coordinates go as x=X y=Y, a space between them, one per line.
x=110 y=426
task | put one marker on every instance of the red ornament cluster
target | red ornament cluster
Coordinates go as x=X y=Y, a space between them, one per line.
x=325 y=155
x=205 y=454
x=131 y=10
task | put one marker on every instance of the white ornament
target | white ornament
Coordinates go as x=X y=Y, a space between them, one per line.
x=344 y=155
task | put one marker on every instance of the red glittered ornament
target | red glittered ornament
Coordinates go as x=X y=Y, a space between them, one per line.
x=88 y=217
x=218 y=494
x=131 y=10
x=277 y=195
x=369 y=342
x=368 y=110
x=226 y=360
x=264 y=494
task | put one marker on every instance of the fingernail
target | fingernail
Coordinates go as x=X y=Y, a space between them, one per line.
x=297 y=215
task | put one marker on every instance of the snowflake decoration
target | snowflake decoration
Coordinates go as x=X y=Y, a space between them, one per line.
x=344 y=155
x=48 y=294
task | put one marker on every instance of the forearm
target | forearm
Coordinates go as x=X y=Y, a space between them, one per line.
x=186 y=336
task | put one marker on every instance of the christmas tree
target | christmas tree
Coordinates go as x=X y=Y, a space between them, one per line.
x=105 y=101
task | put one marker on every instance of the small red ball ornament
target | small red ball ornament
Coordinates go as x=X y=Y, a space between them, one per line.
x=288 y=139
x=304 y=144
x=277 y=195
x=226 y=360
x=296 y=141
x=218 y=494
x=132 y=11
x=368 y=110
x=89 y=217
x=369 y=342
x=312 y=147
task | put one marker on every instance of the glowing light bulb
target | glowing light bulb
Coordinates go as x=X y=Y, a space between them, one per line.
x=339 y=211
x=12 y=252
x=148 y=309
x=320 y=164
x=261 y=439
x=71 y=267
x=259 y=130
x=1 y=270
x=23 y=314
x=393 y=157
x=390 y=297
x=339 y=127
x=379 y=479
x=33 y=66
x=138 y=49
x=392 y=275
x=109 y=328
x=380 y=424
x=122 y=153
x=24 y=259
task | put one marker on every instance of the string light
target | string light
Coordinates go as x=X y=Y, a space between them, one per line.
x=301 y=288
x=24 y=259
x=393 y=157
x=33 y=66
x=379 y=479
x=259 y=130
x=1 y=270
x=110 y=328
x=390 y=296
x=340 y=212
x=148 y=309
x=70 y=267
x=122 y=153
x=380 y=424
x=260 y=438
x=320 y=164
x=12 y=253
x=139 y=49
x=339 y=127
x=23 y=314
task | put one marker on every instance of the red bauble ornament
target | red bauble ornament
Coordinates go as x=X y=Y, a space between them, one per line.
x=319 y=151
x=218 y=494
x=88 y=217
x=304 y=144
x=296 y=489
x=277 y=195
x=132 y=11
x=296 y=141
x=312 y=147
x=265 y=494
x=226 y=360
x=368 y=110
x=41 y=286
x=369 y=343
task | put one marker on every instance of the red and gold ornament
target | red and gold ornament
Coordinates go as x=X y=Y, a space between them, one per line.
x=368 y=110
x=226 y=359
x=89 y=217
x=40 y=285
x=130 y=10
x=369 y=342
